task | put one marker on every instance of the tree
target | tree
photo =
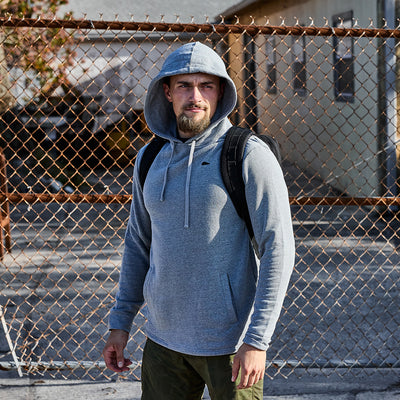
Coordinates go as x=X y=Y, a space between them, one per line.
x=6 y=98
x=42 y=54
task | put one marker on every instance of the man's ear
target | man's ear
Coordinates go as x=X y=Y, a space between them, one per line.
x=167 y=92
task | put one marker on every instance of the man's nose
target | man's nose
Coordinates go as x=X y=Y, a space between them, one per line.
x=195 y=94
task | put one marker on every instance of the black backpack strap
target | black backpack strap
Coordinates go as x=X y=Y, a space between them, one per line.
x=231 y=169
x=149 y=154
x=273 y=145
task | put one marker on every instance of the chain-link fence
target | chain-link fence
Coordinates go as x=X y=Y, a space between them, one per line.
x=327 y=94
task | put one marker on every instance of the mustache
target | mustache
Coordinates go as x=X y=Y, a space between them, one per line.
x=191 y=105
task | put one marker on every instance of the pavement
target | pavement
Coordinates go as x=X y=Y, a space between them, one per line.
x=306 y=385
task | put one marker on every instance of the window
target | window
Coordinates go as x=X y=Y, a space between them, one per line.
x=343 y=60
x=250 y=83
x=299 y=65
x=270 y=52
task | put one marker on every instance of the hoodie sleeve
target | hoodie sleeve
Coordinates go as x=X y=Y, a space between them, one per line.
x=268 y=202
x=135 y=262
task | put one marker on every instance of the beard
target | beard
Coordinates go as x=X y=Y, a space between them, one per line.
x=192 y=126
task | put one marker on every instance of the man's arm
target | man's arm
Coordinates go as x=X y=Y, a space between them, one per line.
x=269 y=209
x=113 y=352
x=135 y=264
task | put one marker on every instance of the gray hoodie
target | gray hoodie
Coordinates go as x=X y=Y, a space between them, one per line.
x=187 y=253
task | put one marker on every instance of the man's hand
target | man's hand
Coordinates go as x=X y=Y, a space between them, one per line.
x=251 y=362
x=113 y=352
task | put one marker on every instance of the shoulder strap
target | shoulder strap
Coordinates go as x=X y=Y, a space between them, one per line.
x=273 y=145
x=149 y=154
x=231 y=168
x=231 y=171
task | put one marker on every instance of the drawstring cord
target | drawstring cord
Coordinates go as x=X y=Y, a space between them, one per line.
x=187 y=186
x=188 y=177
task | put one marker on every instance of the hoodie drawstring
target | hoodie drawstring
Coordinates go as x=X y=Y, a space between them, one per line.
x=187 y=186
x=166 y=172
x=188 y=177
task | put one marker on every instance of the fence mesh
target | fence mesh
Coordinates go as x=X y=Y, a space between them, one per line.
x=68 y=150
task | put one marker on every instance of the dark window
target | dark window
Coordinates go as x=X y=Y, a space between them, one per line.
x=250 y=84
x=299 y=65
x=343 y=59
x=270 y=52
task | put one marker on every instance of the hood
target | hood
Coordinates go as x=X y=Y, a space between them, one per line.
x=188 y=59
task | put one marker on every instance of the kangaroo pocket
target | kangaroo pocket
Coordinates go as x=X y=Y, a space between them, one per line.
x=217 y=310
x=228 y=296
x=161 y=304
x=202 y=306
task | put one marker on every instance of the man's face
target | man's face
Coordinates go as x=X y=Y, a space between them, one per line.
x=194 y=98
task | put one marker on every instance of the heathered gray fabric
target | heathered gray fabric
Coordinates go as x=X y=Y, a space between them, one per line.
x=187 y=253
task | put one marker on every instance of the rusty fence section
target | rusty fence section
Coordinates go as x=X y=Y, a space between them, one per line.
x=329 y=96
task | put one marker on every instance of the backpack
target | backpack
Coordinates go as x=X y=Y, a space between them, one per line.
x=231 y=166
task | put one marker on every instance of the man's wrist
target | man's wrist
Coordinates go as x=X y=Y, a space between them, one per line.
x=252 y=347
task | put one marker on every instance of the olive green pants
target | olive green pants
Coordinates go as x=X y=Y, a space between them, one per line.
x=168 y=375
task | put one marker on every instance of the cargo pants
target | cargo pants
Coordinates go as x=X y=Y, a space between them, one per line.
x=169 y=375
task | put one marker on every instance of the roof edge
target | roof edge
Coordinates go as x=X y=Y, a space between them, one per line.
x=230 y=12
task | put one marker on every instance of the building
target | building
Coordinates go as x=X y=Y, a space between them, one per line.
x=155 y=10
x=330 y=101
x=115 y=68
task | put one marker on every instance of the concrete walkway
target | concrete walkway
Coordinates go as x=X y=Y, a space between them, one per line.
x=312 y=386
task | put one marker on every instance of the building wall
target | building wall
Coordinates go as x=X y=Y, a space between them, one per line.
x=336 y=140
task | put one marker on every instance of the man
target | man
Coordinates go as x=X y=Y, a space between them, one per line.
x=212 y=306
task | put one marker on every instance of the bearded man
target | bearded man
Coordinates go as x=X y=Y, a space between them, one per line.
x=211 y=304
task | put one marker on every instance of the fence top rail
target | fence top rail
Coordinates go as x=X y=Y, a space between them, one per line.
x=220 y=28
